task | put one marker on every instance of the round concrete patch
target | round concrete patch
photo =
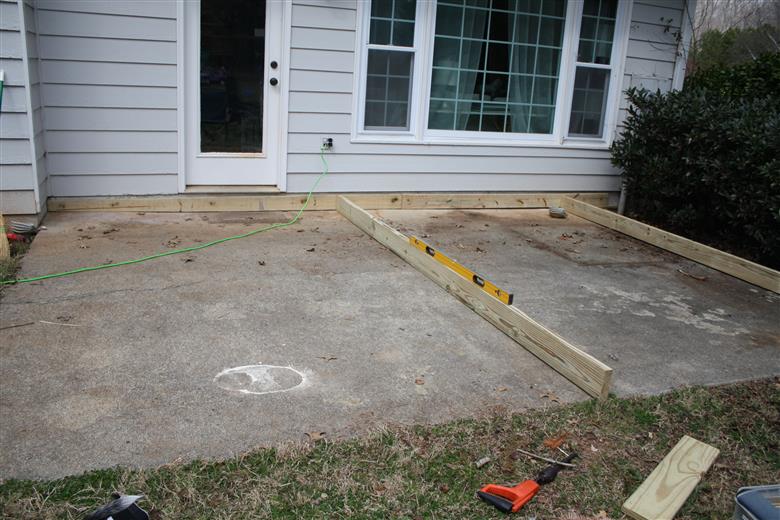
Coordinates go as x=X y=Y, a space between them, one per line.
x=259 y=379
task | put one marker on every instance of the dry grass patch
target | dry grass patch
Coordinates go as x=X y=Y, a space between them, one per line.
x=430 y=472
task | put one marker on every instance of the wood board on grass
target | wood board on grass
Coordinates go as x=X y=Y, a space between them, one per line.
x=667 y=488
x=727 y=263
x=582 y=369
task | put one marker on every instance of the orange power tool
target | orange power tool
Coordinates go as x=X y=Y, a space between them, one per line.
x=512 y=499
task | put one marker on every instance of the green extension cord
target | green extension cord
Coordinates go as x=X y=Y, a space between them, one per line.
x=187 y=249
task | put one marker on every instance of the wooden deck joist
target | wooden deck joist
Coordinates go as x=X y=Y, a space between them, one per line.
x=727 y=263
x=190 y=203
x=580 y=368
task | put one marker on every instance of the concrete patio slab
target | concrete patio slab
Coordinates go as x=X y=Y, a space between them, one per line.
x=130 y=368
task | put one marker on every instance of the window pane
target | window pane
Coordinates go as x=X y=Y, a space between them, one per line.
x=551 y=31
x=403 y=34
x=541 y=120
x=509 y=56
x=380 y=32
x=597 y=31
x=442 y=115
x=388 y=87
x=448 y=20
x=392 y=22
x=589 y=101
x=382 y=9
x=404 y=9
x=444 y=83
x=446 y=52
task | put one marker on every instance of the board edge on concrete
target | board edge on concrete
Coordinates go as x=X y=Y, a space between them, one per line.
x=579 y=367
x=733 y=265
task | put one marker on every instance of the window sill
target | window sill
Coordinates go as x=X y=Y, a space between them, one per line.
x=570 y=144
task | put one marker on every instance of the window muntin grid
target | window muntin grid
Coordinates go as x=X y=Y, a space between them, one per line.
x=593 y=68
x=392 y=22
x=597 y=31
x=588 y=101
x=389 y=65
x=496 y=65
x=388 y=89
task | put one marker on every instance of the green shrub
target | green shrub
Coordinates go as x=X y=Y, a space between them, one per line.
x=704 y=162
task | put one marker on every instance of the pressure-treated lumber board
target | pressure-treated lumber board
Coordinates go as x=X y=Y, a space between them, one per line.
x=663 y=493
x=321 y=201
x=730 y=264
x=489 y=200
x=580 y=368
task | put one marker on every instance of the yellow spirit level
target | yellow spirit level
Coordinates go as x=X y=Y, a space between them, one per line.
x=468 y=274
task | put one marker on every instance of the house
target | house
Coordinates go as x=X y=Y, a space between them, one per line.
x=148 y=97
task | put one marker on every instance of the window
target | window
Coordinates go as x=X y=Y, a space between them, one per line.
x=593 y=68
x=496 y=65
x=390 y=65
x=503 y=71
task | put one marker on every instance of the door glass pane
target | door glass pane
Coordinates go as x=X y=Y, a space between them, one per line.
x=500 y=59
x=588 y=102
x=232 y=64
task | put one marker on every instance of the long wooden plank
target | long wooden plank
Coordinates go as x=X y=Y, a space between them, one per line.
x=580 y=368
x=663 y=493
x=730 y=264
x=321 y=201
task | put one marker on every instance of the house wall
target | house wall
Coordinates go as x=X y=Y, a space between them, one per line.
x=108 y=73
x=105 y=74
x=23 y=182
x=321 y=83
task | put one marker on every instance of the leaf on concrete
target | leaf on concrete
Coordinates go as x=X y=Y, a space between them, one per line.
x=419 y=381
x=316 y=436
x=551 y=396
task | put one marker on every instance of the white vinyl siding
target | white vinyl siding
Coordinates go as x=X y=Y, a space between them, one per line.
x=318 y=108
x=653 y=47
x=109 y=85
x=106 y=78
x=23 y=186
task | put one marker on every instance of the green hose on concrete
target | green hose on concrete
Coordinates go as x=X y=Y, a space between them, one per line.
x=187 y=249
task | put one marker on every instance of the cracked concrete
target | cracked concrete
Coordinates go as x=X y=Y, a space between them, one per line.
x=131 y=368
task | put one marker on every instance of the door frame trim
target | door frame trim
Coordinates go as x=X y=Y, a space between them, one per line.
x=281 y=123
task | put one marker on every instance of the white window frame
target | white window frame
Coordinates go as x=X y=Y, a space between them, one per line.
x=424 y=33
x=617 y=65
x=361 y=65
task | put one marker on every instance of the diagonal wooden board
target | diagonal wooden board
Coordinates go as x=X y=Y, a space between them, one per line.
x=577 y=366
x=732 y=265
x=664 y=492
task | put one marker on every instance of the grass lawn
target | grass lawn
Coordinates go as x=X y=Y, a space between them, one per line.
x=430 y=472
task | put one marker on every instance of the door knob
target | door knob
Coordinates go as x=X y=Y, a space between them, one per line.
x=274 y=82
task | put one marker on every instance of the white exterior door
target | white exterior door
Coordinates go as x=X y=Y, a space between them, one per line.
x=232 y=92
